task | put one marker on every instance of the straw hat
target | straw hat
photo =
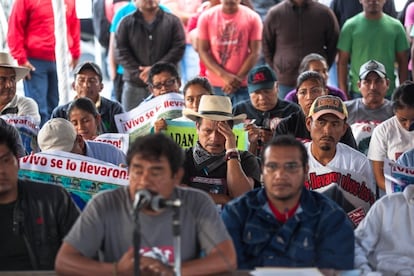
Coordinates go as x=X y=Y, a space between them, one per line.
x=7 y=61
x=216 y=108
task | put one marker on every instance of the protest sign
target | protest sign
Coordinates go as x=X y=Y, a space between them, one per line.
x=140 y=120
x=28 y=129
x=397 y=176
x=80 y=175
x=119 y=140
x=184 y=133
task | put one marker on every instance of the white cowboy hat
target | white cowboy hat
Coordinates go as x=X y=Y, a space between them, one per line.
x=216 y=108
x=7 y=61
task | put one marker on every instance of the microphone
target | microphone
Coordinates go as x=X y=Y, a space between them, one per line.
x=158 y=203
x=142 y=199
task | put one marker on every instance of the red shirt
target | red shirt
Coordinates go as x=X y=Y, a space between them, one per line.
x=31 y=31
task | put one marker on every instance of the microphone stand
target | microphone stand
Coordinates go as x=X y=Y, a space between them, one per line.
x=177 y=240
x=137 y=242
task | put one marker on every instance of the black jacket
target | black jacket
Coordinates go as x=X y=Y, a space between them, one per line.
x=43 y=214
x=141 y=44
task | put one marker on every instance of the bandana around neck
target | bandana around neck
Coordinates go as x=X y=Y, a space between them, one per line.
x=200 y=155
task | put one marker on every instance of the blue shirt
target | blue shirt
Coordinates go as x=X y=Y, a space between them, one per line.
x=105 y=152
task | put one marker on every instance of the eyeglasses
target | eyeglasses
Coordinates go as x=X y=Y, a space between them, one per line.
x=289 y=167
x=167 y=83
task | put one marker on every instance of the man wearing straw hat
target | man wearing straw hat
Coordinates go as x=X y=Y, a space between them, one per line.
x=10 y=102
x=214 y=164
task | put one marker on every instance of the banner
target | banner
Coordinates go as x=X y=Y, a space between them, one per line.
x=140 y=120
x=397 y=176
x=28 y=129
x=184 y=133
x=119 y=140
x=82 y=176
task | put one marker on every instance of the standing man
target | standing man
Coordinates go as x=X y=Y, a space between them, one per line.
x=293 y=29
x=214 y=164
x=283 y=224
x=147 y=36
x=355 y=46
x=10 y=102
x=106 y=225
x=229 y=38
x=34 y=217
x=31 y=39
x=88 y=83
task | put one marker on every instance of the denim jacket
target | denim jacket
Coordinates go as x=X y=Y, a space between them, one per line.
x=318 y=235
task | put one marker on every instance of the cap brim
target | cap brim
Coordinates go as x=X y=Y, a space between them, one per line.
x=338 y=114
x=254 y=87
x=21 y=72
x=365 y=74
x=192 y=115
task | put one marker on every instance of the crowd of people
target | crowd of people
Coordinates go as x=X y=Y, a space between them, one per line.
x=301 y=183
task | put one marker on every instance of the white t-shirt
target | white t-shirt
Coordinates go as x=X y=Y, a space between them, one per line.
x=349 y=172
x=390 y=140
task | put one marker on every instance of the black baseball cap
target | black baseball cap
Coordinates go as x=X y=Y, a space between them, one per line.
x=88 y=65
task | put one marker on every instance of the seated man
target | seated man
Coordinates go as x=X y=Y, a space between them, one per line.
x=10 y=102
x=16 y=136
x=60 y=134
x=384 y=239
x=310 y=85
x=214 y=164
x=88 y=83
x=284 y=224
x=335 y=169
x=264 y=110
x=365 y=113
x=106 y=225
x=34 y=217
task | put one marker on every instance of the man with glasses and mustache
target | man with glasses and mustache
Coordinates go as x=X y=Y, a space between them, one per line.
x=143 y=38
x=285 y=225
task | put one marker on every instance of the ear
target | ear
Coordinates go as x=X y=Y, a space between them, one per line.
x=359 y=84
x=101 y=86
x=178 y=176
x=98 y=119
x=73 y=86
x=308 y=123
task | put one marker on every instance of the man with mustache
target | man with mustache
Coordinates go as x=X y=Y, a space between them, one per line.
x=10 y=102
x=365 y=113
x=310 y=85
x=214 y=164
x=335 y=169
x=285 y=225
